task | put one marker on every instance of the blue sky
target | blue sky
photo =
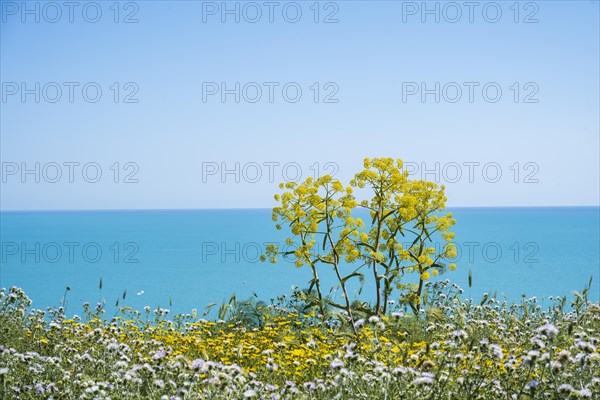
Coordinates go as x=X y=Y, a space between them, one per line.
x=170 y=141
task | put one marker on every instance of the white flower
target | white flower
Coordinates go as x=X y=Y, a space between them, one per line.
x=359 y=323
x=548 y=330
x=497 y=351
x=533 y=354
x=198 y=363
x=459 y=334
x=424 y=380
x=336 y=363
x=555 y=365
x=531 y=385
x=585 y=346
x=3 y=371
x=249 y=393
x=565 y=388
x=537 y=343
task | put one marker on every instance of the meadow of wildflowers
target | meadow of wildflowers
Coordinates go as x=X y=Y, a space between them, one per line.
x=452 y=349
x=422 y=342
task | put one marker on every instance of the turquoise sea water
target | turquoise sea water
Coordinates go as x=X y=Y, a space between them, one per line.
x=183 y=260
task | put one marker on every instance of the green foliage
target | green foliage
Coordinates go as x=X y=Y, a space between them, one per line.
x=453 y=349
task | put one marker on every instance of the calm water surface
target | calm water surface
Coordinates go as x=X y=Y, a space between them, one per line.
x=187 y=259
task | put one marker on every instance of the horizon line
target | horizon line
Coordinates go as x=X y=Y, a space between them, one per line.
x=258 y=208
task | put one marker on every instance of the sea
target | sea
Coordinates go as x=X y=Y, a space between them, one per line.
x=186 y=260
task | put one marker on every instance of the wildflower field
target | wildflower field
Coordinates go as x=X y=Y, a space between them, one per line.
x=452 y=350
x=416 y=339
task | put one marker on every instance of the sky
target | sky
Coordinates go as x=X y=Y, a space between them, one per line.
x=191 y=104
